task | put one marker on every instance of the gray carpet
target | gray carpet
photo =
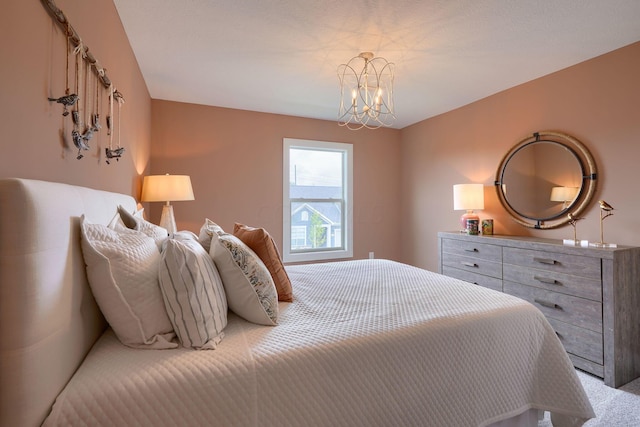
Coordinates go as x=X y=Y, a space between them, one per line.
x=613 y=407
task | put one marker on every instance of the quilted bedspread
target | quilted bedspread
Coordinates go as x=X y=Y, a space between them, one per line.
x=364 y=343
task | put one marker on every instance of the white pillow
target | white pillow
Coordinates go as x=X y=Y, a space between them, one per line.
x=193 y=292
x=122 y=268
x=208 y=229
x=251 y=293
x=136 y=221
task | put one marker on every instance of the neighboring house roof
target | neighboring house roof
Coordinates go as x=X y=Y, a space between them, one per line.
x=313 y=208
x=314 y=192
x=330 y=212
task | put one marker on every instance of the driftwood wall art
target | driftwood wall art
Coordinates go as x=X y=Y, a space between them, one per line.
x=91 y=84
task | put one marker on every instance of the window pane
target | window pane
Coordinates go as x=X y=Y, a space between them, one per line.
x=318 y=168
x=298 y=237
x=321 y=223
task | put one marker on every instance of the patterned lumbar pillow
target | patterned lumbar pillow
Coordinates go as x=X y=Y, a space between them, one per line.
x=193 y=292
x=251 y=293
x=122 y=268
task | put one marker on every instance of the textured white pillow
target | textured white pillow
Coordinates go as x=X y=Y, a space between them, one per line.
x=251 y=293
x=136 y=221
x=122 y=268
x=208 y=229
x=193 y=292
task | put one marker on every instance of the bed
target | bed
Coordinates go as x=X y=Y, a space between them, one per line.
x=363 y=343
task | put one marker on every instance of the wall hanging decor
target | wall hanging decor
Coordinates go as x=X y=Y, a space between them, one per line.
x=90 y=83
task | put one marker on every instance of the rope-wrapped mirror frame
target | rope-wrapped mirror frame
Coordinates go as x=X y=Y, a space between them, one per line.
x=586 y=192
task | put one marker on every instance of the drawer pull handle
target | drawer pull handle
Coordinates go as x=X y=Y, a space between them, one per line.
x=470 y=264
x=546 y=280
x=547 y=304
x=545 y=261
x=471 y=250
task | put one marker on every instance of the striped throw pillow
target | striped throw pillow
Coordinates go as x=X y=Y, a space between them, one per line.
x=193 y=293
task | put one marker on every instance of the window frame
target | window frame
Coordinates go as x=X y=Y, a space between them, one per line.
x=320 y=254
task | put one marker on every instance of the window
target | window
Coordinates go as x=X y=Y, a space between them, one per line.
x=298 y=236
x=317 y=194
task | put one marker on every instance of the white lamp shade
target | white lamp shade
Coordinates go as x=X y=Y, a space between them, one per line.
x=563 y=194
x=468 y=196
x=167 y=188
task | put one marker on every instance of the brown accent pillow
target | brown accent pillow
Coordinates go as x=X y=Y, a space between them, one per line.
x=261 y=242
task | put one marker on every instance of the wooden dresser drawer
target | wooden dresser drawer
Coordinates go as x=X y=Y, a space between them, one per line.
x=472 y=264
x=472 y=249
x=552 y=261
x=475 y=278
x=554 y=281
x=566 y=308
x=579 y=341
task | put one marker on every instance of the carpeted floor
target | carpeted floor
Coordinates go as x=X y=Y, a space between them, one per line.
x=613 y=407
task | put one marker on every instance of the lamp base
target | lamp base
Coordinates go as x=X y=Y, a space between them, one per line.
x=463 y=220
x=167 y=220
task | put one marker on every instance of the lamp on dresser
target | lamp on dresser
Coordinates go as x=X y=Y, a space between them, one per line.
x=167 y=188
x=468 y=197
x=566 y=195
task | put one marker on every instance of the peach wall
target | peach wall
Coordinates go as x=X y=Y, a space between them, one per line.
x=595 y=101
x=33 y=68
x=234 y=158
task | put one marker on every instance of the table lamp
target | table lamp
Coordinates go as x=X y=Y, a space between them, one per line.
x=566 y=195
x=167 y=188
x=468 y=197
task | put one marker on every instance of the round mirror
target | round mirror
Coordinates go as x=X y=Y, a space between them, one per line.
x=545 y=177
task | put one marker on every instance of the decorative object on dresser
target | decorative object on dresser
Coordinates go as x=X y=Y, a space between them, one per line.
x=589 y=295
x=468 y=197
x=487 y=227
x=606 y=210
x=167 y=188
x=541 y=170
x=573 y=221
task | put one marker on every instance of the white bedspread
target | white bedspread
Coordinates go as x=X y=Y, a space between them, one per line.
x=365 y=343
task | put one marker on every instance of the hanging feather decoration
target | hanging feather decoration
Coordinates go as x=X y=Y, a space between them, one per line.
x=79 y=139
x=68 y=99
x=114 y=153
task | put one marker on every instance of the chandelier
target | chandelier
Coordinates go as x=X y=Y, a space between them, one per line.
x=366 y=92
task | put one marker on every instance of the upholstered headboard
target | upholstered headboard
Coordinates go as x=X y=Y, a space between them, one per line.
x=48 y=317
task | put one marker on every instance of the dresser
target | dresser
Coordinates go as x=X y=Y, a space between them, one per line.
x=591 y=296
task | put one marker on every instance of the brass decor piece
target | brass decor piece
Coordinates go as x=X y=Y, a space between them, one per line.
x=573 y=221
x=606 y=210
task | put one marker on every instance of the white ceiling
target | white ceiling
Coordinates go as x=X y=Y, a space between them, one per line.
x=281 y=56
